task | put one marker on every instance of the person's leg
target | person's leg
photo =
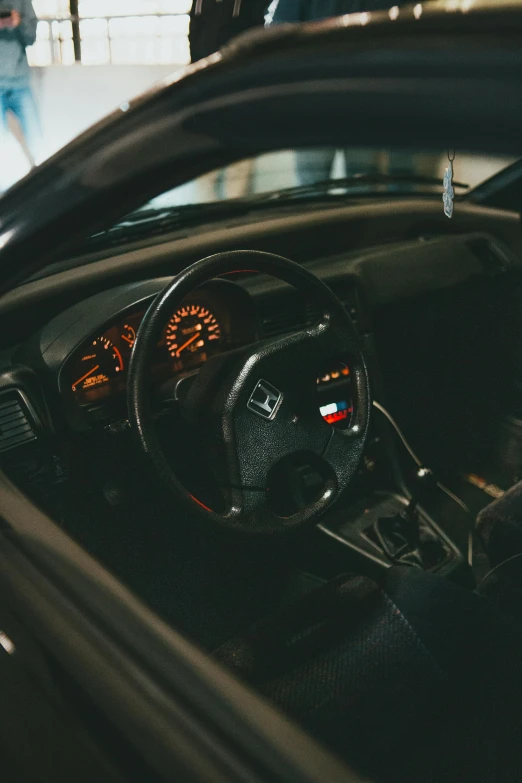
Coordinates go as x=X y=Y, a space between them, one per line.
x=22 y=105
x=239 y=177
x=219 y=185
x=314 y=165
x=3 y=118
x=209 y=188
x=401 y=164
x=360 y=161
x=4 y=183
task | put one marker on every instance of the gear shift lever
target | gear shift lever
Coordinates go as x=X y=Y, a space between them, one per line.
x=401 y=536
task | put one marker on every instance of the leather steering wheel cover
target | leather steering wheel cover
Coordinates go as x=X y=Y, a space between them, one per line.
x=149 y=334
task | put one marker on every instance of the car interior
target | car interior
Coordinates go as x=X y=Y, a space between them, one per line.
x=277 y=425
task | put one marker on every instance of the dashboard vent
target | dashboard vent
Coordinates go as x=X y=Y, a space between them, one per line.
x=16 y=426
x=312 y=311
x=282 y=314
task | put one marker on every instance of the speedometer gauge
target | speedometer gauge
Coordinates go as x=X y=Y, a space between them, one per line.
x=191 y=335
x=99 y=364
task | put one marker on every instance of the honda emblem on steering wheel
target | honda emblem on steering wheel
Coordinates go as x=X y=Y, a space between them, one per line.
x=265 y=400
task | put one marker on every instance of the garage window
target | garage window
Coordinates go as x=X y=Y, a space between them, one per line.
x=117 y=32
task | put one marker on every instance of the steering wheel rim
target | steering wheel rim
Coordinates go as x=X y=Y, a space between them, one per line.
x=291 y=427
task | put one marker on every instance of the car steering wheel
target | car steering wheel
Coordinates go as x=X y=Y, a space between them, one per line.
x=256 y=408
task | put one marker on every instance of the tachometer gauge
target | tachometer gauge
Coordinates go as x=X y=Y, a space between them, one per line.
x=129 y=335
x=101 y=362
x=191 y=335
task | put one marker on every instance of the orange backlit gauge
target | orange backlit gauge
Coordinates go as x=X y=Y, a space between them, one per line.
x=339 y=372
x=192 y=335
x=129 y=335
x=99 y=365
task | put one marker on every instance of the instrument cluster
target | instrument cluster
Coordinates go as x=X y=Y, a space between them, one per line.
x=218 y=318
x=99 y=368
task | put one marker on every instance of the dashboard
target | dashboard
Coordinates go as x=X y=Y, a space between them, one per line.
x=81 y=356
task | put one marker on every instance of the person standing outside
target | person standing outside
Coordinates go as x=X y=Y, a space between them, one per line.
x=17 y=31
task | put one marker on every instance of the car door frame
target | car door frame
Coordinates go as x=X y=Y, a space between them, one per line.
x=179 y=710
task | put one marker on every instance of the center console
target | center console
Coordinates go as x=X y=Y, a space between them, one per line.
x=385 y=519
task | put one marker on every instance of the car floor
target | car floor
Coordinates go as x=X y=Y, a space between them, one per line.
x=207 y=586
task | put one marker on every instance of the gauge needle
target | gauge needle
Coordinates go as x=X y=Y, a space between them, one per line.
x=86 y=375
x=191 y=340
x=129 y=340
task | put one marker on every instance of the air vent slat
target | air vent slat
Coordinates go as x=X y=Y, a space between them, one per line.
x=17 y=440
x=282 y=314
x=16 y=426
x=4 y=420
x=9 y=410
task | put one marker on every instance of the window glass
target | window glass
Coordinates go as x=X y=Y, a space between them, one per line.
x=51 y=8
x=339 y=172
x=132 y=7
x=118 y=32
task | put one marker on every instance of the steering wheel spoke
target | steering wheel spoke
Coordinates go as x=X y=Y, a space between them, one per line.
x=342 y=454
x=253 y=511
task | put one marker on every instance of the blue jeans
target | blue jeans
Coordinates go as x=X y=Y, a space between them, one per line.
x=20 y=102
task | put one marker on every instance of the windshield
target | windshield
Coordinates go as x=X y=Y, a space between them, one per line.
x=318 y=175
x=372 y=171
x=290 y=178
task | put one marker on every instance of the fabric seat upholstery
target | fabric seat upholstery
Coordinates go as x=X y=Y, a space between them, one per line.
x=413 y=679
